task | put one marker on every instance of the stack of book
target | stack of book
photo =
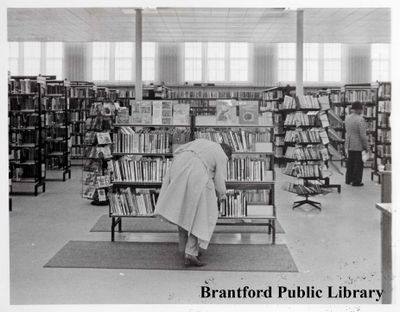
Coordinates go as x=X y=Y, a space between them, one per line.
x=127 y=202
x=143 y=170
x=249 y=169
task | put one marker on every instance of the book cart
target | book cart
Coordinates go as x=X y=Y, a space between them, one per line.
x=382 y=148
x=57 y=128
x=82 y=93
x=26 y=137
x=251 y=212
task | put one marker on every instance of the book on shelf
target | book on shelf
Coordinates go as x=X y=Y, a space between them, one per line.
x=273 y=95
x=289 y=102
x=166 y=112
x=240 y=140
x=157 y=113
x=145 y=112
x=323 y=117
x=324 y=136
x=239 y=203
x=98 y=152
x=385 y=90
x=302 y=171
x=334 y=136
x=122 y=116
x=334 y=118
x=127 y=140
x=249 y=169
x=303 y=153
x=181 y=114
x=312 y=188
x=128 y=169
x=103 y=138
x=308 y=102
x=128 y=202
x=226 y=112
x=301 y=119
x=384 y=106
x=324 y=102
x=364 y=95
x=248 y=112
x=310 y=136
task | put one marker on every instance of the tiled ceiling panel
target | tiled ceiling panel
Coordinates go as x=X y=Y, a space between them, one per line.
x=349 y=25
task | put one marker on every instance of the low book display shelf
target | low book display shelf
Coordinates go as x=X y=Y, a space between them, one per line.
x=143 y=149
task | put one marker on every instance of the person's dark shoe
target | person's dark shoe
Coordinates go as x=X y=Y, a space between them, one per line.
x=192 y=261
x=348 y=183
x=358 y=184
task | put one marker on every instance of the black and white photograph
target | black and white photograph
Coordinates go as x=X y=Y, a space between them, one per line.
x=188 y=154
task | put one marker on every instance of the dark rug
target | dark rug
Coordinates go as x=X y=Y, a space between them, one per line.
x=155 y=225
x=165 y=256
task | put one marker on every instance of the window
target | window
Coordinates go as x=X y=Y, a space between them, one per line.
x=216 y=61
x=101 y=61
x=123 y=60
x=286 y=61
x=54 y=59
x=239 y=61
x=310 y=59
x=148 y=61
x=380 y=62
x=193 y=61
x=32 y=54
x=13 y=56
x=332 y=62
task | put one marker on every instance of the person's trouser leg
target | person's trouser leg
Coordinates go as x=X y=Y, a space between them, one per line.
x=192 y=245
x=183 y=238
x=350 y=168
x=358 y=168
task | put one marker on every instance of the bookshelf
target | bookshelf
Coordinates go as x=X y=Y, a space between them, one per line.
x=57 y=129
x=307 y=153
x=82 y=94
x=26 y=137
x=250 y=189
x=272 y=101
x=382 y=147
x=96 y=173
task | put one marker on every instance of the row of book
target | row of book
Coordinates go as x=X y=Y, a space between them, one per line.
x=24 y=121
x=249 y=169
x=300 y=189
x=303 y=153
x=24 y=155
x=272 y=106
x=78 y=116
x=239 y=140
x=57 y=132
x=369 y=111
x=27 y=173
x=273 y=95
x=77 y=151
x=385 y=90
x=55 y=163
x=384 y=106
x=98 y=152
x=302 y=119
x=56 y=103
x=81 y=92
x=126 y=140
x=23 y=103
x=303 y=136
x=383 y=135
x=25 y=137
x=383 y=121
x=244 y=203
x=143 y=170
x=128 y=203
x=308 y=101
x=55 y=89
x=289 y=102
x=201 y=94
x=384 y=150
x=302 y=171
x=23 y=86
x=78 y=128
x=360 y=96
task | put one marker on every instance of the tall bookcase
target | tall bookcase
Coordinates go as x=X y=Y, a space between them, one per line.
x=57 y=126
x=26 y=134
x=251 y=190
x=382 y=156
x=82 y=94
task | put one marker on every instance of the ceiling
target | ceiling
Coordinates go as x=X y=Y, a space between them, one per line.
x=347 y=25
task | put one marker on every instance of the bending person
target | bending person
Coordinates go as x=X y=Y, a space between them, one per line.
x=190 y=192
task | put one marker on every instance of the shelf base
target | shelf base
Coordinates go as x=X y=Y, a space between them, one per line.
x=312 y=203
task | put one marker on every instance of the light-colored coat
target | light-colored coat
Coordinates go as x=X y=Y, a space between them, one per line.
x=356 y=133
x=188 y=196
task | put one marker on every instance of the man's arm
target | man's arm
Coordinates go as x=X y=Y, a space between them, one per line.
x=363 y=135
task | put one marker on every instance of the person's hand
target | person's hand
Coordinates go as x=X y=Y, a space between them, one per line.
x=222 y=197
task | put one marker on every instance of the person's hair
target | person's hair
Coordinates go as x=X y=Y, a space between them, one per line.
x=227 y=149
x=357 y=106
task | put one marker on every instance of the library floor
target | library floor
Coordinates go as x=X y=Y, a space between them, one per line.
x=338 y=246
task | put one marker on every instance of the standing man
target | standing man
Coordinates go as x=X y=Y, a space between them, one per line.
x=356 y=142
x=190 y=192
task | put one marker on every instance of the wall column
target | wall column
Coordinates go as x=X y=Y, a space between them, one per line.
x=299 y=51
x=138 y=55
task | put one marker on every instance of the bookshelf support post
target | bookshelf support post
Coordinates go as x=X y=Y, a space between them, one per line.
x=138 y=58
